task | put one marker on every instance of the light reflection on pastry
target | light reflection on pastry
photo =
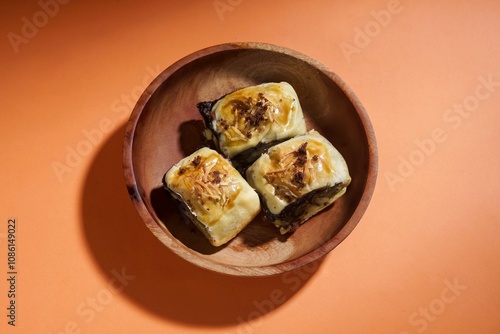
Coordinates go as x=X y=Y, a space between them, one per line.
x=299 y=178
x=212 y=194
x=247 y=121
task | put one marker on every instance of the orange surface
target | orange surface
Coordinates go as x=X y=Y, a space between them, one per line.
x=424 y=258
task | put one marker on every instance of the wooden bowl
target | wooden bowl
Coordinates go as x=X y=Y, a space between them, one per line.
x=165 y=126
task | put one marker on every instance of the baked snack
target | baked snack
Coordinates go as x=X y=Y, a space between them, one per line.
x=246 y=122
x=212 y=194
x=298 y=178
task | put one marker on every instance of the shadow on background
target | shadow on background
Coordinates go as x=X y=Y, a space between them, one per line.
x=158 y=280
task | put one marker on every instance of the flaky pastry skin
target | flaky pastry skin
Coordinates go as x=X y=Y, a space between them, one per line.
x=298 y=178
x=247 y=121
x=212 y=194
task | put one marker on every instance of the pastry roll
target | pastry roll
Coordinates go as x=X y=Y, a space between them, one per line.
x=244 y=123
x=298 y=178
x=212 y=194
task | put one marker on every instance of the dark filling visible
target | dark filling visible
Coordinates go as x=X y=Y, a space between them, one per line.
x=243 y=160
x=208 y=115
x=292 y=216
x=206 y=112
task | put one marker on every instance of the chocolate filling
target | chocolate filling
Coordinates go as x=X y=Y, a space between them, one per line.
x=292 y=216
x=206 y=112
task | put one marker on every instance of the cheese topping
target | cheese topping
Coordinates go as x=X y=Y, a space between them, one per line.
x=296 y=167
x=256 y=114
x=208 y=185
x=220 y=201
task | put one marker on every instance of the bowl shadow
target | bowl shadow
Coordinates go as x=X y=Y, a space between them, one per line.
x=159 y=281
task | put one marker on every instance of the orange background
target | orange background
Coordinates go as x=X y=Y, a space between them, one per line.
x=424 y=258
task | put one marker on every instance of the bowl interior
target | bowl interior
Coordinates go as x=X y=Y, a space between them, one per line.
x=166 y=126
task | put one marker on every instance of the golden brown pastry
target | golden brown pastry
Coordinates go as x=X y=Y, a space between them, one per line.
x=298 y=178
x=212 y=194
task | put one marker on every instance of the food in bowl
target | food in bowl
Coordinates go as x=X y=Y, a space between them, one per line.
x=247 y=121
x=212 y=194
x=295 y=173
x=298 y=178
x=165 y=127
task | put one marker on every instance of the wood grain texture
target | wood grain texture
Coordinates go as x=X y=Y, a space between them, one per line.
x=165 y=126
